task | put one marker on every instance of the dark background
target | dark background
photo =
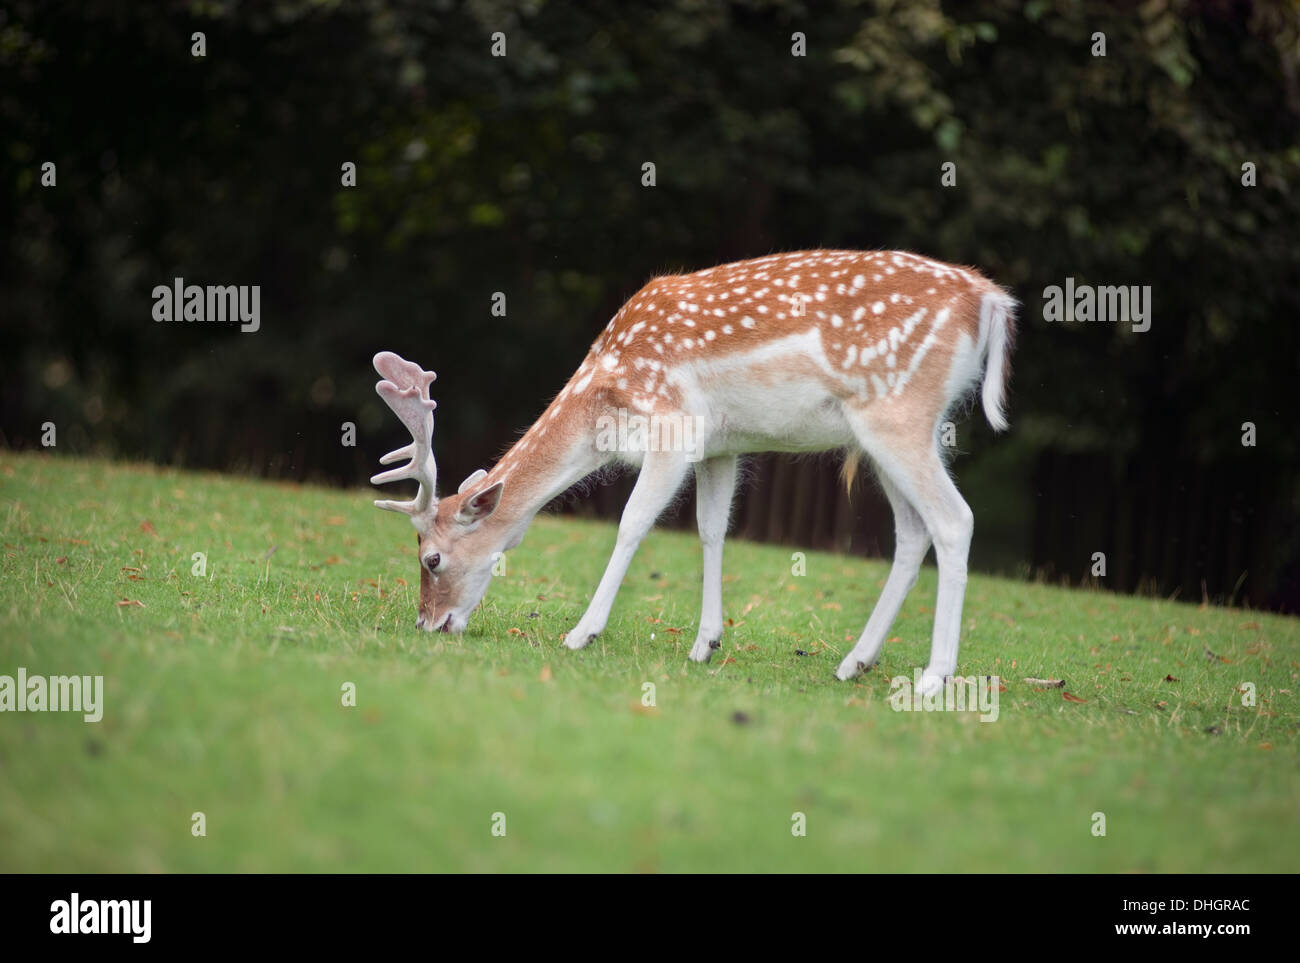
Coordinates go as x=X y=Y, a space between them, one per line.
x=522 y=174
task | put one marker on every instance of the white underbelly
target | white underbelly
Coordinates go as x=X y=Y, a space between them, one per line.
x=781 y=417
x=792 y=403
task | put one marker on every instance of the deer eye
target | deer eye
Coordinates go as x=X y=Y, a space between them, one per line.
x=431 y=561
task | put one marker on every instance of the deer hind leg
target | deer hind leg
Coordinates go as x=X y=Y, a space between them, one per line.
x=911 y=542
x=715 y=484
x=661 y=475
x=912 y=464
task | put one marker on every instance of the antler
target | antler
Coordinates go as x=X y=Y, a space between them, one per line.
x=405 y=389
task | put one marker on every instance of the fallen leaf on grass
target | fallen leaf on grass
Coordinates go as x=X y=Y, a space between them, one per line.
x=333 y=560
x=545 y=674
x=1162 y=705
x=147 y=527
x=125 y=602
x=1069 y=697
x=60 y=560
x=513 y=631
x=1266 y=745
x=1170 y=678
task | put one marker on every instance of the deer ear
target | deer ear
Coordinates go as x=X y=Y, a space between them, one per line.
x=480 y=506
x=471 y=481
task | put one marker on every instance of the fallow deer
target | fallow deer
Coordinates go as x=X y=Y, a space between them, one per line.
x=802 y=352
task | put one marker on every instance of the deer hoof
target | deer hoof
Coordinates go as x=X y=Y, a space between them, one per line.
x=850 y=667
x=702 y=651
x=578 y=639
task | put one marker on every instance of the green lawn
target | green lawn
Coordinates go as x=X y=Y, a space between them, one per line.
x=223 y=695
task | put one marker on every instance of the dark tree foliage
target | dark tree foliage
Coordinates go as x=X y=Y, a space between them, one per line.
x=522 y=174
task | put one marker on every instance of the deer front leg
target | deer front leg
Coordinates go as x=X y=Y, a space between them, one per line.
x=661 y=475
x=715 y=483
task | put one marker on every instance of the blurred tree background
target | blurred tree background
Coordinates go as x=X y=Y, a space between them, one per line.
x=522 y=174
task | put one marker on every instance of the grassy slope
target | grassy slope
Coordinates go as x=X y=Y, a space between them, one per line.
x=223 y=696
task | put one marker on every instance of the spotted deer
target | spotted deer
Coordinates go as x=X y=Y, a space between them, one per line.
x=817 y=350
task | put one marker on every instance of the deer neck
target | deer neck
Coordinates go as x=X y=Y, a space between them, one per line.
x=552 y=456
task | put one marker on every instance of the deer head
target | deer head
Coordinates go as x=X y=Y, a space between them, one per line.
x=456 y=548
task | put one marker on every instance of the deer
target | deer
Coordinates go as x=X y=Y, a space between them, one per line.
x=868 y=352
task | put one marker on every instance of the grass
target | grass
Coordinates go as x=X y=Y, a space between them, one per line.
x=223 y=696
